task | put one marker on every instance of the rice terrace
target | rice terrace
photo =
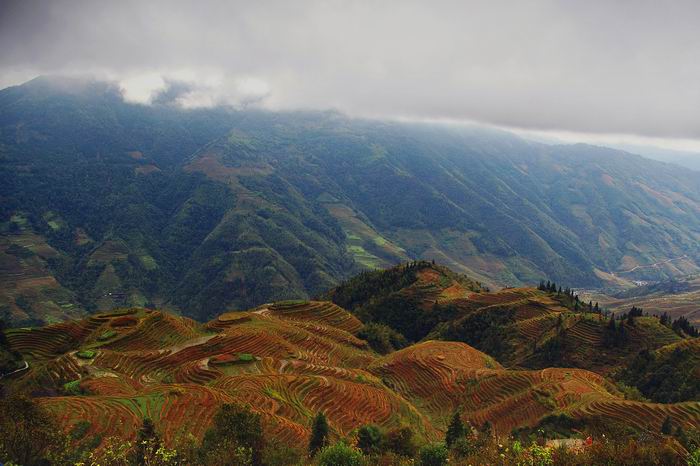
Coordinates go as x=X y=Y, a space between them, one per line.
x=349 y=233
x=290 y=360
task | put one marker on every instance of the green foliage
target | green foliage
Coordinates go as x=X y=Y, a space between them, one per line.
x=667 y=426
x=265 y=210
x=29 y=434
x=235 y=436
x=146 y=439
x=434 y=454
x=369 y=439
x=455 y=430
x=72 y=388
x=401 y=441
x=487 y=330
x=339 y=454
x=382 y=338
x=693 y=458
x=107 y=335
x=276 y=454
x=665 y=377
x=86 y=354
x=319 y=434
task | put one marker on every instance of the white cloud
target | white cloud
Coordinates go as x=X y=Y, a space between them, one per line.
x=142 y=88
x=594 y=67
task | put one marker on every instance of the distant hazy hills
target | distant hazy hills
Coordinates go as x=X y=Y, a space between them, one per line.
x=104 y=203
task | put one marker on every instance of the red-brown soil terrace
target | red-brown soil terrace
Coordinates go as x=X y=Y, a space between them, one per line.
x=289 y=361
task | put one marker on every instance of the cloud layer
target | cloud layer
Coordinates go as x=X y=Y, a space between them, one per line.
x=599 y=66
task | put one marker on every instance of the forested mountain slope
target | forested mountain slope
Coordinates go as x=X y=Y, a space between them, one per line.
x=105 y=203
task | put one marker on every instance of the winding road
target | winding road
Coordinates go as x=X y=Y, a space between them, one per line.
x=655 y=264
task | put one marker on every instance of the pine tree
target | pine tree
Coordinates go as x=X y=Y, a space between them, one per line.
x=319 y=434
x=147 y=441
x=667 y=427
x=455 y=430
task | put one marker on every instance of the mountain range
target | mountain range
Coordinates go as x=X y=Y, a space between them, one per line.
x=107 y=204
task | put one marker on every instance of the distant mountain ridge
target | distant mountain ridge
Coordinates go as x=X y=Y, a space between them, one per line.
x=206 y=210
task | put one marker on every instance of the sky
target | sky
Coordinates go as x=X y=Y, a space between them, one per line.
x=589 y=70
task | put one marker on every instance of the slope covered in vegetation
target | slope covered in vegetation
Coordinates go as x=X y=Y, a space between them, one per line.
x=289 y=361
x=108 y=204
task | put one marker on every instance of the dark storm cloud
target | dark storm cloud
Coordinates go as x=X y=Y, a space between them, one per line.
x=585 y=66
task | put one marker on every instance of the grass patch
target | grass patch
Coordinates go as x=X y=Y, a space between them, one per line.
x=107 y=335
x=86 y=354
x=72 y=388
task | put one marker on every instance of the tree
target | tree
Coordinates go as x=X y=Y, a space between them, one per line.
x=455 y=430
x=319 y=434
x=340 y=454
x=401 y=441
x=29 y=434
x=434 y=454
x=235 y=437
x=667 y=426
x=369 y=439
x=147 y=441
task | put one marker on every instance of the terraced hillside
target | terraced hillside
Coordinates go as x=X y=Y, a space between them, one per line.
x=288 y=361
x=520 y=327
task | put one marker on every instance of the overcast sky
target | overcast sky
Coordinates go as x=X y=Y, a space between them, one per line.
x=590 y=68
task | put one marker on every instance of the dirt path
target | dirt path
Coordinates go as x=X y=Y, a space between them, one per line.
x=655 y=264
x=26 y=366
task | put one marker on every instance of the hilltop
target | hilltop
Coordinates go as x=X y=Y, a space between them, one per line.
x=107 y=204
x=522 y=328
x=288 y=361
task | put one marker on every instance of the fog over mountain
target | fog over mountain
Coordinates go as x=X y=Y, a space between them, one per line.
x=630 y=68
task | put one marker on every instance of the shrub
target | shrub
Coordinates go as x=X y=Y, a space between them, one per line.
x=29 y=434
x=86 y=354
x=694 y=458
x=281 y=455
x=107 y=335
x=235 y=437
x=463 y=447
x=340 y=454
x=73 y=388
x=369 y=439
x=434 y=454
x=401 y=441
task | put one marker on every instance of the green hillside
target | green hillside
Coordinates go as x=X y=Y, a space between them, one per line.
x=201 y=211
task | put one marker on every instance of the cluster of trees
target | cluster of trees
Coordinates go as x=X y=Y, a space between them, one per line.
x=236 y=438
x=615 y=333
x=381 y=297
x=382 y=338
x=664 y=377
x=683 y=326
x=569 y=297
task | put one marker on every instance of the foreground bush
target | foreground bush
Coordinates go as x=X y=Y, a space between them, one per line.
x=340 y=454
x=434 y=454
